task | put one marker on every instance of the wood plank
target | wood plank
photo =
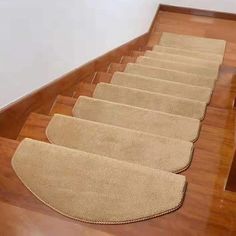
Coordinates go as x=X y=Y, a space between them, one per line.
x=102 y=77
x=231 y=183
x=84 y=89
x=64 y=104
x=128 y=59
x=21 y=221
x=116 y=67
x=223 y=98
x=136 y=53
x=34 y=127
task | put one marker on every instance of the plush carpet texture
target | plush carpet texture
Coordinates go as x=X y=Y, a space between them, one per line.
x=136 y=118
x=189 y=53
x=116 y=160
x=170 y=75
x=183 y=59
x=162 y=86
x=212 y=73
x=149 y=100
x=127 y=145
x=216 y=46
x=94 y=188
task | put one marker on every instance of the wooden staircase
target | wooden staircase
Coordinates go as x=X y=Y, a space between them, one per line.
x=211 y=161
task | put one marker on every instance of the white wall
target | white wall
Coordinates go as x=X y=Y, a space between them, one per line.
x=42 y=40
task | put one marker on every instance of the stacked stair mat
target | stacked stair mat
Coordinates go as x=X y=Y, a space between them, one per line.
x=197 y=93
x=192 y=54
x=179 y=66
x=93 y=188
x=133 y=146
x=131 y=117
x=170 y=75
x=184 y=59
x=153 y=101
x=116 y=161
x=205 y=45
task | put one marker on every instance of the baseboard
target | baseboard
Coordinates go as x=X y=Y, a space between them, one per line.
x=14 y=115
x=197 y=12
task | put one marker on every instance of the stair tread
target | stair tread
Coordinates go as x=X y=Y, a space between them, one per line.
x=116 y=67
x=85 y=89
x=35 y=127
x=137 y=53
x=102 y=77
x=8 y=146
x=128 y=59
x=63 y=105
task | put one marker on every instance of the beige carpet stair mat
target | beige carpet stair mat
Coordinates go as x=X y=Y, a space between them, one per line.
x=162 y=86
x=170 y=75
x=216 y=46
x=153 y=101
x=182 y=59
x=136 y=118
x=209 y=72
x=94 y=188
x=189 y=53
x=128 y=145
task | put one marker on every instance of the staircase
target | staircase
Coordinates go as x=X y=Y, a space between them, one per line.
x=207 y=204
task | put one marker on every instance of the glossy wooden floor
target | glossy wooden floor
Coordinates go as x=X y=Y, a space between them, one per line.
x=207 y=210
